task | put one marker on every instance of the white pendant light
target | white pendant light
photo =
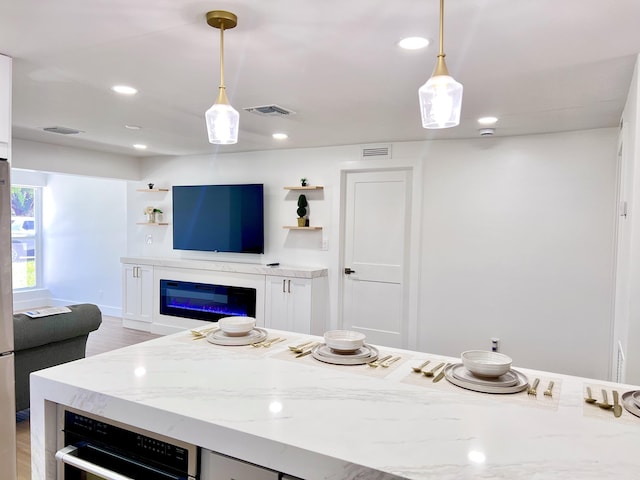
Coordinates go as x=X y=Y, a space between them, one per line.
x=222 y=119
x=441 y=96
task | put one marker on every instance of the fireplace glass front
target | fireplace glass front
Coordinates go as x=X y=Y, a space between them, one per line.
x=202 y=301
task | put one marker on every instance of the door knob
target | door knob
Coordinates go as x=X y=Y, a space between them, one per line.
x=348 y=271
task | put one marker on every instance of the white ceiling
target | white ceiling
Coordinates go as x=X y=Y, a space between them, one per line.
x=539 y=65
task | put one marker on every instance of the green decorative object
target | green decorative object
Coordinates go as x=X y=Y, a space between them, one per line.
x=302 y=206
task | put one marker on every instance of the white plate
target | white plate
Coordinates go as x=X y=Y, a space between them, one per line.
x=629 y=402
x=460 y=372
x=523 y=382
x=325 y=354
x=636 y=397
x=362 y=352
x=218 y=337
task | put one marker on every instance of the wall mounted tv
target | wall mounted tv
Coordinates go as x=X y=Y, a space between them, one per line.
x=219 y=218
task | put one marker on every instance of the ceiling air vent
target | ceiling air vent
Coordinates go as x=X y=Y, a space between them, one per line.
x=269 y=111
x=376 y=151
x=62 y=130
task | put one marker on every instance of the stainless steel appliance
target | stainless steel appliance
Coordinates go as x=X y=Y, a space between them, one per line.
x=7 y=382
x=94 y=448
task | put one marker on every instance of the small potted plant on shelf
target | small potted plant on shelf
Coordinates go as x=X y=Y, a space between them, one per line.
x=152 y=213
x=303 y=182
x=302 y=210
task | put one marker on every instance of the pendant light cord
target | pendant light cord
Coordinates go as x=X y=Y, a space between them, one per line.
x=222 y=55
x=441 y=53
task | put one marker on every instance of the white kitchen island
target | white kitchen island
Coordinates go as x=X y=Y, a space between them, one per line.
x=314 y=420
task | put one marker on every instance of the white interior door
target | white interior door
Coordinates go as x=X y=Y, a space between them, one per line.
x=376 y=216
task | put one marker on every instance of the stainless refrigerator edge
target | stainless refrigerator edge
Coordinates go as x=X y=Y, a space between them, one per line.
x=7 y=381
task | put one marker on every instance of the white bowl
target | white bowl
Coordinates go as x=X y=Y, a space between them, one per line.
x=344 y=340
x=486 y=364
x=236 y=326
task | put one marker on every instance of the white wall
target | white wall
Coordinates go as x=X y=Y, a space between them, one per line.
x=45 y=157
x=628 y=278
x=85 y=223
x=518 y=244
x=517 y=236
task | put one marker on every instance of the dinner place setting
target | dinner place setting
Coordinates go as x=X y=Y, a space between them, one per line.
x=344 y=348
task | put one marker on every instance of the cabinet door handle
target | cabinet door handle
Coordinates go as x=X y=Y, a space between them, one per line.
x=289 y=286
x=283 y=286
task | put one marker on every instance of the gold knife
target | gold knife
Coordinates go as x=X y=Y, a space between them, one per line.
x=440 y=376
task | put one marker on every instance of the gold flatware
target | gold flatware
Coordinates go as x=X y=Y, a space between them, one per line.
x=419 y=368
x=589 y=398
x=268 y=343
x=306 y=352
x=198 y=334
x=303 y=347
x=299 y=348
x=617 y=409
x=605 y=404
x=388 y=363
x=377 y=362
x=549 y=391
x=440 y=376
x=532 y=390
x=431 y=373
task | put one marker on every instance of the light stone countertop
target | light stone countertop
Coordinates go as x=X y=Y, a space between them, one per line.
x=320 y=421
x=230 y=267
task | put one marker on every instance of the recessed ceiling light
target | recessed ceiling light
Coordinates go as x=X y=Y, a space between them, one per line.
x=133 y=127
x=487 y=120
x=140 y=146
x=280 y=136
x=124 y=89
x=413 y=43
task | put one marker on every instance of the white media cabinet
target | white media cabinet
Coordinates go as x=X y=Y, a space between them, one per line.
x=287 y=298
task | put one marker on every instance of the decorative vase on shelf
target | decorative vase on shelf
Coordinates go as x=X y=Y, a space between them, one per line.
x=151 y=217
x=301 y=221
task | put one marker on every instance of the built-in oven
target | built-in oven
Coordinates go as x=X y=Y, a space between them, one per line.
x=93 y=448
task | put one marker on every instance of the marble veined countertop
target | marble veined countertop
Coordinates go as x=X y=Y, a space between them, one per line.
x=230 y=267
x=315 y=420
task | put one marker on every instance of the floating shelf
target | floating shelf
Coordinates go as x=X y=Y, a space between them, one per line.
x=153 y=224
x=302 y=228
x=308 y=187
x=152 y=189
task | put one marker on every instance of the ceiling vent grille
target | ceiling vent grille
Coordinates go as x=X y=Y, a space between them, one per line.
x=376 y=151
x=269 y=111
x=62 y=130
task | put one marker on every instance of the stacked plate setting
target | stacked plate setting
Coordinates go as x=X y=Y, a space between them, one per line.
x=236 y=331
x=631 y=402
x=344 y=347
x=486 y=372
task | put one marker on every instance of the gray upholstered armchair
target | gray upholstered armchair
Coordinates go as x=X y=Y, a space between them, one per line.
x=48 y=341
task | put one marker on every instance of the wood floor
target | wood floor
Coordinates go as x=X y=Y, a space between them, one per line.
x=110 y=336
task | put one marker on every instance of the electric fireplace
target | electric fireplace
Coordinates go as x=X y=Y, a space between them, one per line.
x=203 y=301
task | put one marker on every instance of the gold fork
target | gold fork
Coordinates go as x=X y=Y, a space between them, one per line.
x=298 y=348
x=377 y=362
x=532 y=390
x=303 y=347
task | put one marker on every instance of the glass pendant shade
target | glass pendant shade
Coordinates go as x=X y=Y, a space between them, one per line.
x=440 y=102
x=222 y=124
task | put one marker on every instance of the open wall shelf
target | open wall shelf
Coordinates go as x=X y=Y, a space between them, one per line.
x=151 y=190
x=308 y=187
x=302 y=228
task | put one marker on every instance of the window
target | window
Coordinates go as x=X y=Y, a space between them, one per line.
x=25 y=236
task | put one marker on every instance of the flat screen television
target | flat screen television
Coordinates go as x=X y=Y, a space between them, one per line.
x=219 y=218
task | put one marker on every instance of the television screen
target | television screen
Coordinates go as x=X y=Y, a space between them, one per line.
x=219 y=218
